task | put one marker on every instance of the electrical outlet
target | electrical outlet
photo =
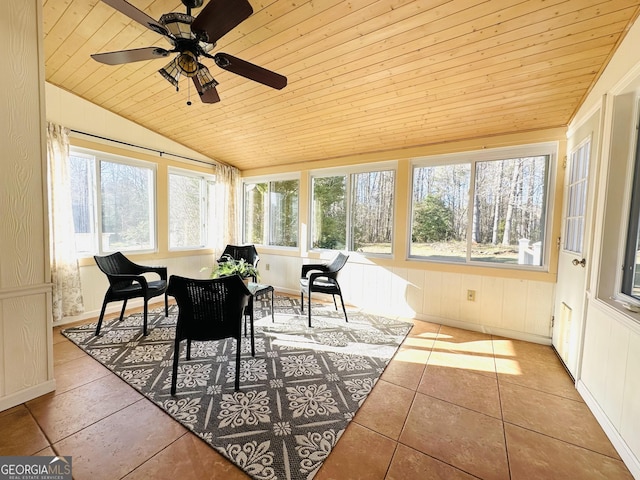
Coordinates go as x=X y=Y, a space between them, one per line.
x=267 y=266
x=471 y=295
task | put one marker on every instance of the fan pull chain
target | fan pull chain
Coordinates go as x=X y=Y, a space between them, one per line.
x=189 y=94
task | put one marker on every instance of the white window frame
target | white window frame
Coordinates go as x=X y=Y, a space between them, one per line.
x=207 y=182
x=348 y=172
x=549 y=149
x=574 y=233
x=99 y=156
x=268 y=179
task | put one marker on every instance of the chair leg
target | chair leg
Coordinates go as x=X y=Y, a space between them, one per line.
x=124 y=307
x=144 y=321
x=166 y=305
x=188 y=349
x=176 y=355
x=343 y=309
x=104 y=306
x=301 y=302
x=309 y=297
x=334 y=301
x=237 y=384
x=273 y=319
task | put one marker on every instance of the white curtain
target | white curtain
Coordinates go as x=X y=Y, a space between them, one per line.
x=226 y=207
x=65 y=274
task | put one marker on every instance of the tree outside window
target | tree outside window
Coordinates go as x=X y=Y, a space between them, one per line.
x=271 y=213
x=189 y=214
x=507 y=199
x=353 y=212
x=121 y=195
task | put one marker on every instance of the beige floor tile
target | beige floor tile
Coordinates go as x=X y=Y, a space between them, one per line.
x=410 y=464
x=77 y=372
x=483 y=364
x=57 y=335
x=419 y=342
x=46 y=452
x=188 y=458
x=61 y=415
x=21 y=435
x=360 y=454
x=385 y=409
x=518 y=349
x=403 y=371
x=558 y=417
x=65 y=351
x=465 y=388
x=116 y=445
x=464 y=341
x=424 y=329
x=533 y=455
x=468 y=440
x=550 y=377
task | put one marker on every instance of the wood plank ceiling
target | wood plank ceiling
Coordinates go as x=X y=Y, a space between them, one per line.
x=364 y=75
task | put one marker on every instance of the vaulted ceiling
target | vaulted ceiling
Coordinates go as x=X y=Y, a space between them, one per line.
x=363 y=75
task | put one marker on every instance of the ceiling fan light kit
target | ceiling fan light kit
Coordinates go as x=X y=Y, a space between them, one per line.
x=178 y=24
x=192 y=38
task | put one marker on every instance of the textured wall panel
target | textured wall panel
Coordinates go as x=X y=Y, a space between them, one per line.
x=25 y=313
x=24 y=342
x=21 y=187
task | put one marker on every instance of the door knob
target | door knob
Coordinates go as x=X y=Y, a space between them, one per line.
x=577 y=262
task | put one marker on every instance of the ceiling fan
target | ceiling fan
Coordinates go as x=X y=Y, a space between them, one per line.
x=192 y=38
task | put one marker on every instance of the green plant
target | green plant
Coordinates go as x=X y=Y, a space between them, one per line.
x=231 y=266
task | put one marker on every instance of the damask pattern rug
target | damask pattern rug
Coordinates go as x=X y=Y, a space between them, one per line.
x=296 y=396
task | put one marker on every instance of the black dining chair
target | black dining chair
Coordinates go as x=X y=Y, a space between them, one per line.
x=127 y=280
x=322 y=278
x=210 y=309
x=238 y=252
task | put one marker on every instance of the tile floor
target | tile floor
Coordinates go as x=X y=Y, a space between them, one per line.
x=452 y=404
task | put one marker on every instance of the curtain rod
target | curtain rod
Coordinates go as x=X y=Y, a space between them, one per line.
x=159 y=152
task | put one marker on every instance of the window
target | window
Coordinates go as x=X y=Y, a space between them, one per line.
x=113 y=202
x=353 y=212
x=631 y=271
x=440 y=212
x=486 y=210
x=577 y=198
x=271 y=213
x=189 y=210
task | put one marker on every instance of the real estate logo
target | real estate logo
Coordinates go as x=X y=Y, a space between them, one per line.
x=35 y=468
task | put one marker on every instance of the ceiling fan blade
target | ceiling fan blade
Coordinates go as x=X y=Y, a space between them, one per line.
x=127 y=56
x=219 y=17
x=210 y=96
x=138 y=15
x=250 y=71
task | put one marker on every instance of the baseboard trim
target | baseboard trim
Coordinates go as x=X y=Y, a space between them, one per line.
x=27 y=394
x=628 y=457
x=501 y=332
x=113 y=307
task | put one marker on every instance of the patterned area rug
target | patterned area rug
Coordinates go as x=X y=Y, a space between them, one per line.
x=296 y=396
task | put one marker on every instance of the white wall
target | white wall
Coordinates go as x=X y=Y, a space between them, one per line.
x=26 y=337
x=516 y=308
x=78 y=114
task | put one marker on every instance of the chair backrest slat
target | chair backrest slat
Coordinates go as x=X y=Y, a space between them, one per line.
x=336 y=264
x=238 y=252
x=209 y=309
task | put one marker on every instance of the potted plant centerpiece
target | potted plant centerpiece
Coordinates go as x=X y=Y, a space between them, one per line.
x=230 y=266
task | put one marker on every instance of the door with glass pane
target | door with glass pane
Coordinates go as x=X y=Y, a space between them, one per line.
x=573 y=261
